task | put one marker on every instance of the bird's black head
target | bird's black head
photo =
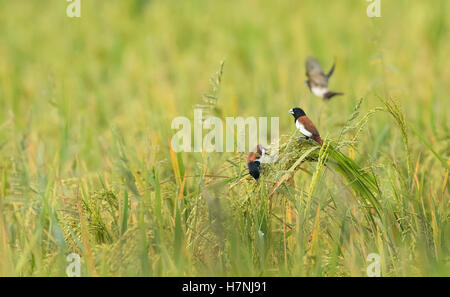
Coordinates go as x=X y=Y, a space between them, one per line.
x=297 y=112
x=254 y=168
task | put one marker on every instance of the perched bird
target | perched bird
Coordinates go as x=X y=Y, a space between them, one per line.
x=305 y=126
x=317 y=80
x=254 y=160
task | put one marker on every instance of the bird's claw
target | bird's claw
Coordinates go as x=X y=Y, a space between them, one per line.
x=302 y=139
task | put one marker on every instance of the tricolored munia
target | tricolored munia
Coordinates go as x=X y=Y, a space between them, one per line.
x=254 y=160
x=317 y=80
x=305 y=126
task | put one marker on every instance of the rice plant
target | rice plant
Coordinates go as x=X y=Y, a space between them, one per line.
x=87 y=166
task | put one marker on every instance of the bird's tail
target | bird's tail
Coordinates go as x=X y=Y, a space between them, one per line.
x=328 y=95
x=317 y=139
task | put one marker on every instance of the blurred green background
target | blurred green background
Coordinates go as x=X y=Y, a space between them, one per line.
x=86 y=103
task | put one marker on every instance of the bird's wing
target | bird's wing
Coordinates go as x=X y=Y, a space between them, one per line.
x=315 y=74
x=251 y=157
x=331 y=70
x=313 y=67
x=309 y=125
x=311 y=128
x=257 y=154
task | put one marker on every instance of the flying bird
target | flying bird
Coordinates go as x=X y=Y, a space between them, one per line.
x=305 y=126
x=317 y=80
x=254 y=160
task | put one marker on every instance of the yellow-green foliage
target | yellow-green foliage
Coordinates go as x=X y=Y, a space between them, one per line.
x=85 y=120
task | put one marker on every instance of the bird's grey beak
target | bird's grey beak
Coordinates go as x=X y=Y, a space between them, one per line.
x=291 y=111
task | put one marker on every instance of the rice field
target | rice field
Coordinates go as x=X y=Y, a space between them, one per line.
x=87 y=166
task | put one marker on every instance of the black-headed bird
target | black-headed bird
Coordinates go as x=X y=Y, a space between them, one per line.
x=317 y=80
x=254 y=160
x=305 y=126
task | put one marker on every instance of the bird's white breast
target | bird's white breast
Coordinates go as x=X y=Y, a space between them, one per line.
x=263 y=153
x=318 y=91
x=302 y=129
